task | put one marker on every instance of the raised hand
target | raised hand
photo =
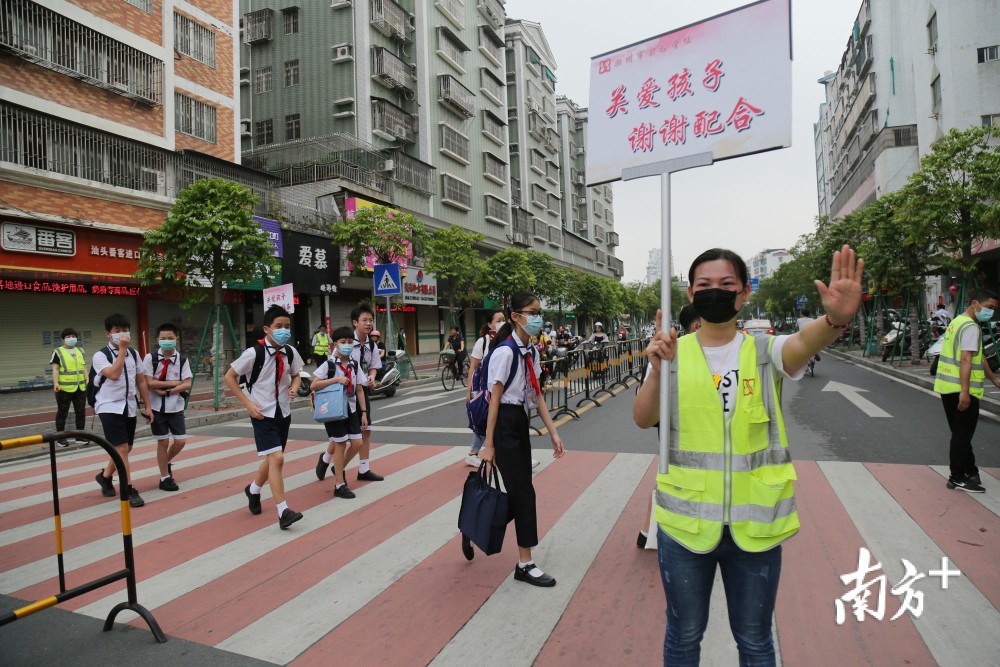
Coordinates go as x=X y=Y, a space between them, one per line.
x=842 y=296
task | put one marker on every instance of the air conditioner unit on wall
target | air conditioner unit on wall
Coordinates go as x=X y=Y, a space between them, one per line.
x=342 y=52
x=245 y=127
x=387 y=165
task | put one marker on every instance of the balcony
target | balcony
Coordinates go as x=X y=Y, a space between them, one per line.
x=555 y=236
x=392 y=20
x=392 y=123
x=457 y=97
x=613 y=239
x=45 y=38
x=456 y=193
x=493 y=127
x=491 y=45
x=616 y=265
x=497 y=210
x=392 y=72
x=410 y=172
x=491 y=86
x=257 y=26
x=494 y=169
x=453 y=10
x=493 y=12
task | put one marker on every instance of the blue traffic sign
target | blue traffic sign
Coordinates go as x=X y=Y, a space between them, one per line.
x=802 y=300
x=387 y=281
x=754 y=285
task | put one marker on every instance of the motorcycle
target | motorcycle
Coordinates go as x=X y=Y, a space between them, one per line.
x=388 y=378
x=899 y=335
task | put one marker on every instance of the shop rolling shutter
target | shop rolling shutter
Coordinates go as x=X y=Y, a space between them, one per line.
x=42 y=317
x=192 y=322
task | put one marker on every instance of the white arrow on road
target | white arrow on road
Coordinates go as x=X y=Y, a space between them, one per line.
x=853 y=394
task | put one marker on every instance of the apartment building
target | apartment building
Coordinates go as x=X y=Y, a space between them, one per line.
x=108 y=109
x=763 y=264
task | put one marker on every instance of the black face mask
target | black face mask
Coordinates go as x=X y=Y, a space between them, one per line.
x=715 y=305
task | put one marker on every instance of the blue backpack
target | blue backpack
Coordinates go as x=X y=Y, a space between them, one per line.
x=478 y=409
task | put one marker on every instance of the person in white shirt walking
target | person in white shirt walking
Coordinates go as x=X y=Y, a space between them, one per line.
x=168 y=375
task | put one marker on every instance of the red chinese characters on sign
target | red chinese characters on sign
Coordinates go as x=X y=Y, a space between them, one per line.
x=713 y=75
x=707 y=123
x=742 y=115
x=680 y=84
x=417 y=288
x=641 y=138
x=59 y=287
x=618 y=102
x=649 y=88
x=674 y=130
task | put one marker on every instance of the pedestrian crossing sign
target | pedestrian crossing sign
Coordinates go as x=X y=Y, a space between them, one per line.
x=387 y=281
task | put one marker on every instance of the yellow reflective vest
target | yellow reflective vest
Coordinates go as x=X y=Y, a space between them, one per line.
x=737 y=472
x=947 y=380
x=72 y=369
x=322 y=345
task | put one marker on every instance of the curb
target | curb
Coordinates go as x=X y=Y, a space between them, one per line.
x=990 y=406
x=191 y=421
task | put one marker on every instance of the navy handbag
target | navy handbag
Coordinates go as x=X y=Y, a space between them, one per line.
x=484 y=514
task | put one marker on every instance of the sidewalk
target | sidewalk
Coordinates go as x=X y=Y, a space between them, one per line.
x=917 y=375
x=31 y=412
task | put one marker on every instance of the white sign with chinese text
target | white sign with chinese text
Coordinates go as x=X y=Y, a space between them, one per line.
x=420 y=287
x=18 y=237
x=722 y=86
x=280 y=295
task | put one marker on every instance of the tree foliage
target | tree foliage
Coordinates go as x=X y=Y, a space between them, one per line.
x=379 y=232
x=506 y=272
x=209 y=235
x=450 y=255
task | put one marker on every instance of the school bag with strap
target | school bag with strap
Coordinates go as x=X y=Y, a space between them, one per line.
x=478 y=409
x=258 y=364
x=330 y=404
x=95 y=382
x=156 y=359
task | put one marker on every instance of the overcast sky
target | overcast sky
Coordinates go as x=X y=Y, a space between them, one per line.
x=746 y=204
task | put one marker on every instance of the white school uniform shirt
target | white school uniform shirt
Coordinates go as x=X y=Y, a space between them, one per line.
x=174 y=402
x=322 y=372
x=499 y=371
x=262 y=392
x=480 y=348
x=363 y=354
x=115 y=395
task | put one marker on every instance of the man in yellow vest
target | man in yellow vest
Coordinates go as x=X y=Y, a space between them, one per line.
x=320 y=345
x=69 y=382
x=961 y=374
x=727 y=500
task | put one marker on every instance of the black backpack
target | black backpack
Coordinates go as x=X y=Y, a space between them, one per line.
x=180 y=361
x=258 y=364
x=94 y=383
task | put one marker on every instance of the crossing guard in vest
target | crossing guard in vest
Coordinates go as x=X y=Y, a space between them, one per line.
x=725 y=495
x=69 y=381
x=320 y=345
x=960 y=397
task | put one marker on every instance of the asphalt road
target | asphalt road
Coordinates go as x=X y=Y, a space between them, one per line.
x=822 y=423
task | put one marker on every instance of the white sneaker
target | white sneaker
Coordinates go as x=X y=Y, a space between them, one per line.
x=534 y=463
x=472 y=461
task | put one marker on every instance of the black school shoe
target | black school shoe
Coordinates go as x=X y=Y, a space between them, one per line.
x=344 y=492
x=134 y=499
x=288 y=517
x=169 y=484
x=369 y=476
x=965 y=484
x=522 y=574
x=253 y=500
x=107 y=486
x=641 y=540
x=321 y=469
x=467 y=547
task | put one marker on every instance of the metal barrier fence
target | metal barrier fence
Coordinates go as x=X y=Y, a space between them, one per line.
x=128 y=573
x=583 y=375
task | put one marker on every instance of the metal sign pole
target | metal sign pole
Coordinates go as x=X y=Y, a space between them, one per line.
x=664 y=170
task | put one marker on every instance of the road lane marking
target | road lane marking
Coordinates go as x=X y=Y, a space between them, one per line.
x=852 y=394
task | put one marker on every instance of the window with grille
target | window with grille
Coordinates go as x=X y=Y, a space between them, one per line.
x=293 y=127
x=455 y=192
x=291 y=20
x=144 y=5
x=292 y=73
x=932 y=32
x=194 y=40
x=936 y=93
x=263 y=132
x=194 y=117
x=494 y=168
x=988 y=53
x=497 y=209
x=451 y=47
x=262 y=79
x=991 y=120
x=454 y=144
x=493 y=126
x=537 y=194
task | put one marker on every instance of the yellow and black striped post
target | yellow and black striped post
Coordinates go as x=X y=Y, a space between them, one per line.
x=128 y=573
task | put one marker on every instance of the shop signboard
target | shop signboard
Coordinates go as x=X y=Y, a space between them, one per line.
x=420 y=288
x=311 y=263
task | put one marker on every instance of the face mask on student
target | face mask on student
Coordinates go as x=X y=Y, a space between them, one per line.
x=345 y=349
x=167 y=344
x=115 y=337
x=533 y=325
x=70 y=341
x=281 y=336
x=715 y=305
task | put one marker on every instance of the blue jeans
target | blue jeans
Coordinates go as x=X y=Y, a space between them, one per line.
x=751 y=583
x=477 y=442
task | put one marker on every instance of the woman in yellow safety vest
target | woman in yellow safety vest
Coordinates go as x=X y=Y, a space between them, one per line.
x=69 y=382
x=727 y=499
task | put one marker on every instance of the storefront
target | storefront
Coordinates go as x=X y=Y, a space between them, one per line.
x=311 y=264
x=54 y=276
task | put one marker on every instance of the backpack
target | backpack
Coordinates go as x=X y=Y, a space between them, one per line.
x=181 y=361
x=478 y=409
x=258 y=364
x=94 y=383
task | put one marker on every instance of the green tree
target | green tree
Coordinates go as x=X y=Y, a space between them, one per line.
x=378 y=232
x=955 y=197
x=209 y=237
x=504 y=273
x=450 y=255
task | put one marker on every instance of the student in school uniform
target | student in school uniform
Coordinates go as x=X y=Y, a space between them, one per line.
x=345 y=436
x=168 y=375
x=269 y=407
x=508 y=442
x=117 y=376
x=494 y=320
x=69 y=382
x=368 y=360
